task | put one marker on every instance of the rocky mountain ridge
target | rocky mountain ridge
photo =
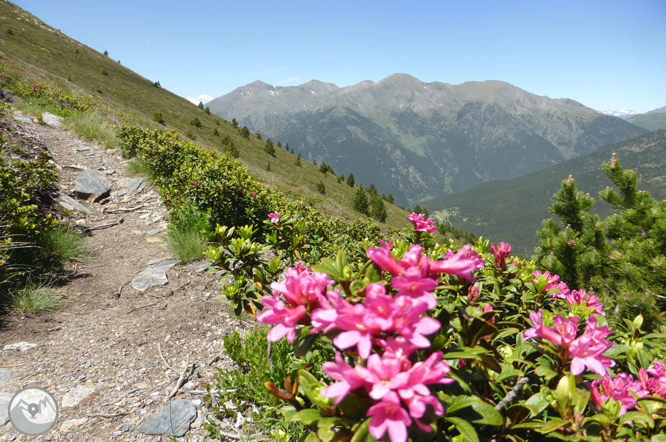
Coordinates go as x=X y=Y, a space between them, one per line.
x=419 y=140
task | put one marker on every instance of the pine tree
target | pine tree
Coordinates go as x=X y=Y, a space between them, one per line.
x=234 y=123
x=350 y=180
x=341 y=178
x=417 y=209
x=201 y=104
x=207 y=110
x=390 y=199
x=378 y=210
x=245 y=132
x=287 y=148
x=360 y=202
x=621 y=259
x=321 y=188
x=268 y=167
x=279 y=144
x=323 y=168
x=315 y=162
x=216 y=132
x=298 y=160
x=372 y=190
x=258 y=136
x=269 y=148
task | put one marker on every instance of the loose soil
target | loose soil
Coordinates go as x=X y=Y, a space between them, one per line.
x=108 y=333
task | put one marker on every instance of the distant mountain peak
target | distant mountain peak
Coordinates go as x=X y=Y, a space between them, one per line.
x=620 y=113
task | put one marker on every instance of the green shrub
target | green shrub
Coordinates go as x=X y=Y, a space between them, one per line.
x=360 y=202
x=105 y=72
x=245 y=132
x=196 y=122
x=34 y=299
x=350 y=180
x=189 y=234
x=158 y=118
x=321 y=188
x=269 y=148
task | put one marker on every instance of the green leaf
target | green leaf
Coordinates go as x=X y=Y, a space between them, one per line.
x=637 y=417
x=325 y=429
x=311 y=387
x=537 y=403
x=616 y=350
x=307 y=416
x=362 y=434
x=460 y=402
x=466 y=353
x=551 y=426
x=464 y=428
x=489 y=416
x=545 y=372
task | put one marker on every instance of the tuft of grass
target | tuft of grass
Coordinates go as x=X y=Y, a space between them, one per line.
x=93 y=127
x=188 y=235
x=138 y=167
x=62 y=244
x=187 y=245
x=35 y=299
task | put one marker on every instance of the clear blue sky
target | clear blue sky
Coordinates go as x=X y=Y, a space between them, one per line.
x=606 y=54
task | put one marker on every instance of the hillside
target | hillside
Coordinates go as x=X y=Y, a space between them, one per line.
x=46 y=54
x=419 y=140
x=512 y=210
x=653 y=120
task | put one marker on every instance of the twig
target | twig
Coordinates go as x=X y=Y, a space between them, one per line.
x=230 y=435
x=513 y=394
x=107 y=415
x=10 y=366
x=120 y=290
x=105 y=226
x=181 y=380
x=143 y=306
x=180 y=287
x=123 y=209
x=164 y=360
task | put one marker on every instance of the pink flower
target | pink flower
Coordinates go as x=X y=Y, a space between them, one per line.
x=398 y=348
x=501 y=253
x=421 y=224
x=472 y=294
x=587 y=350
x=282 y=317
x=579 y=297
x=414 y=286
x=459 y=264
x=657 y=384
x=357 y=332
x=407 y=322
x=274 y=217
x=301 y=287
x=383 y=259
x=618 y=389
x=546 y=283
x=388 y=415
x=349 y=378
x=323 y=318
x=380 y=375
x=541 y=331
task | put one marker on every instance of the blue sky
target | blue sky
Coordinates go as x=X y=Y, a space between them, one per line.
x=605 y=54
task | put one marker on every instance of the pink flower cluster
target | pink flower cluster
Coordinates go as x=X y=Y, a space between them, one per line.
x=501 y=253
x=421 y=224
x=552 y=283
x=390 y=321
x=274 y=217
x=579 y=297
x=584 y=351
x=618 y=389
x=400 y=388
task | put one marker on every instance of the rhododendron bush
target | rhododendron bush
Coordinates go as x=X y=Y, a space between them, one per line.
x=439 y=344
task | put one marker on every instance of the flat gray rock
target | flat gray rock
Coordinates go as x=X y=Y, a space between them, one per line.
x=82 y=149
x=52 y=120
x=79 y=394
x=131 y=184
x=200 y=266
x=153 y=232
x=6 y=375
x=75 y=205
x=153 y=275
x=4 y=407
x=173 y=419
x=22 y=118
x=91 y=184
x=20 y=346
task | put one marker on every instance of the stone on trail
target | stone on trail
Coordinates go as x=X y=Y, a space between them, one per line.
x=4 y=407
x=75 y=205
x=91 y=184
x=22 y=118
x=153 y=275
x=131 y=184
x=80 y=394
x=6 y=375
x=19 y=346
x=72 y=423
x=52 y=120
x=173 y=419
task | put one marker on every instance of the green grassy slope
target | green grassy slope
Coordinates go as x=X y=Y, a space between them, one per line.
x=57 y=59
x=512 y=210
x=650 y=121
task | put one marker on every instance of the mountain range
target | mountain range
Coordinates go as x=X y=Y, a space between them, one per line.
x=653 y=120
x=512 y=210
x=420 y=140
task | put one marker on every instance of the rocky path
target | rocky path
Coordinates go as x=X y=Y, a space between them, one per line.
x=127 y=302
